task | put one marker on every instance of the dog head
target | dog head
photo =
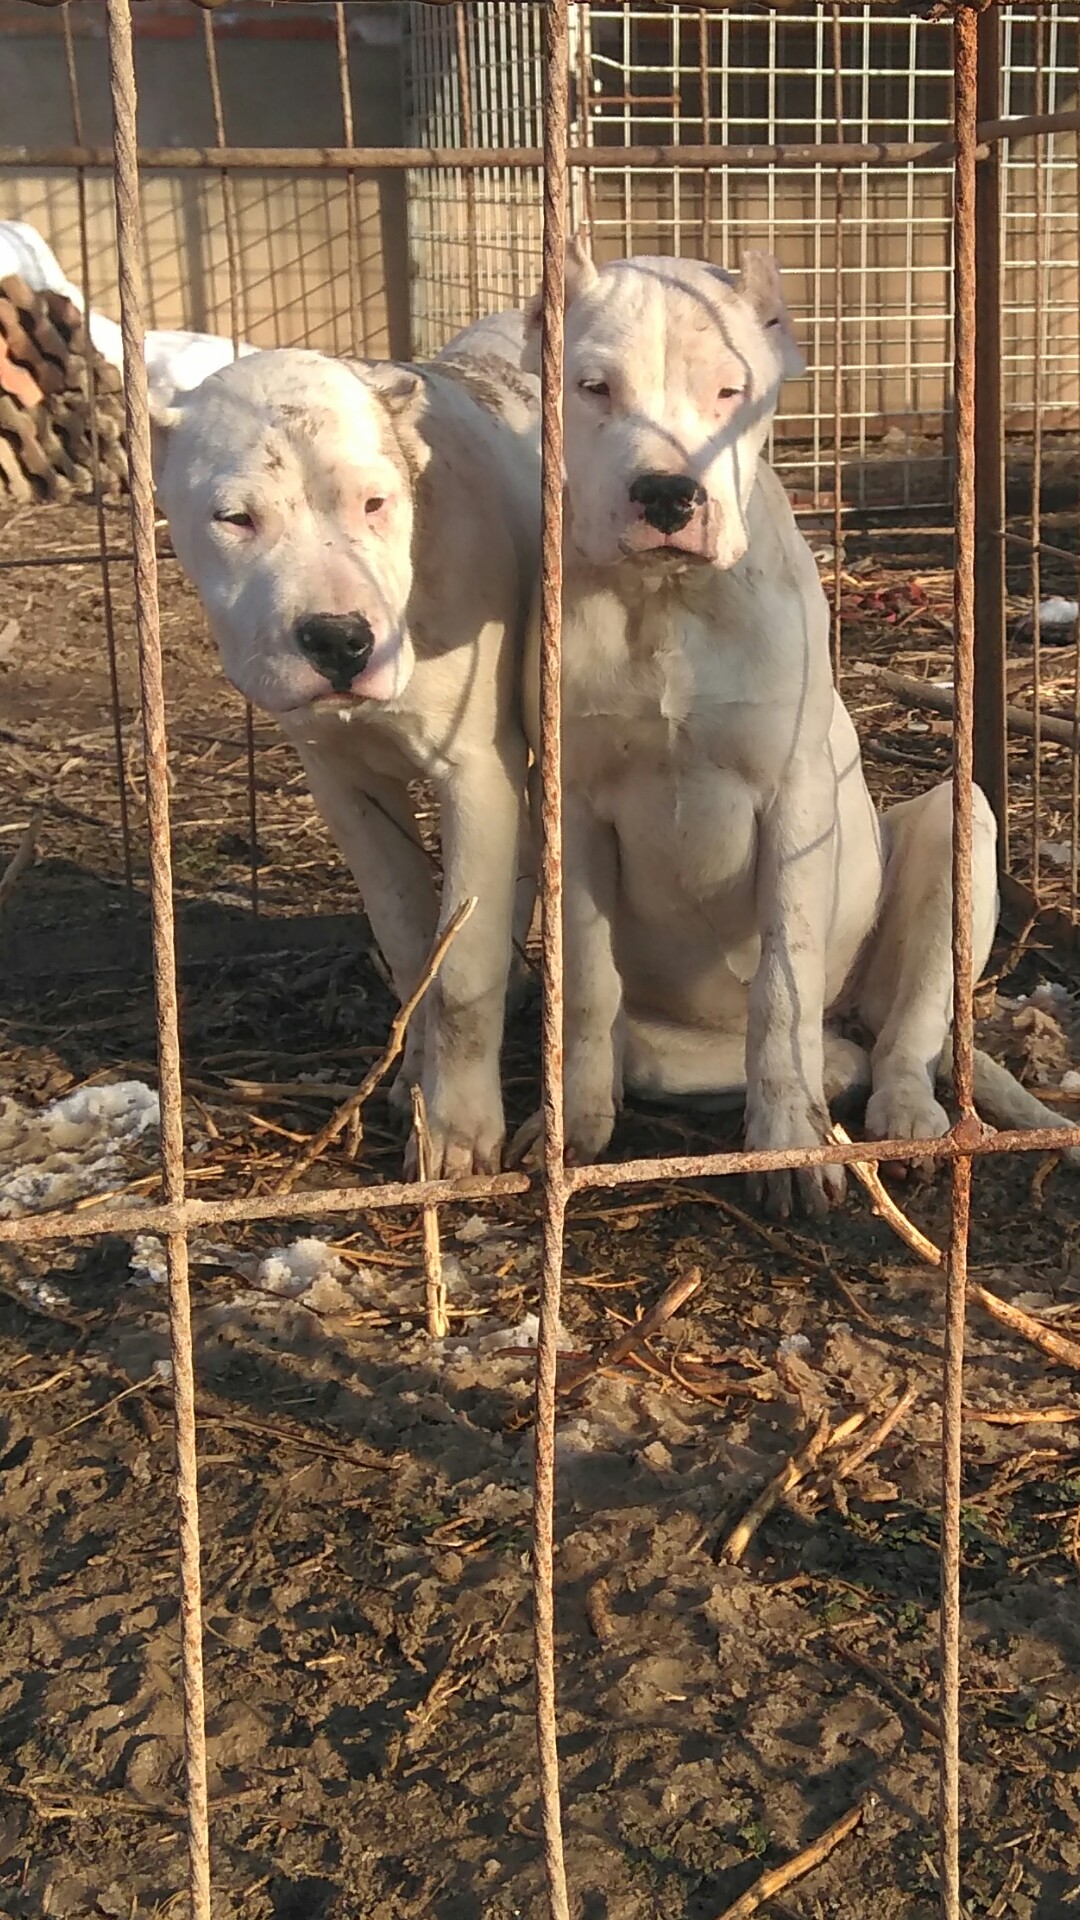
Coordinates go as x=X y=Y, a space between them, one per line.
x=672 y=373
x=288 y=481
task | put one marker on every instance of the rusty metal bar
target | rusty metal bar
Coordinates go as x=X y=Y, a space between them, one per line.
x=244 y=1210
x=126 y=185
x=705 y=83
x=232 y=255
x=108 y=613
x=341 y=28
x=1039 y=326
x=465 y=105
x=1074 y=794
x=991 y=696
x=838 y=351
x=401 y=159
x=965 y=83
x=556 y=88
x=648 y=156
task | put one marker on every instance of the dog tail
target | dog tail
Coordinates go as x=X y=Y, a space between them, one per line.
x=1000 y=1096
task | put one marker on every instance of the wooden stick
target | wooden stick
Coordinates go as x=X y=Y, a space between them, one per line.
x=920 y=693
x=860 y=1454
x=791 y=1473
x=22 y=858
x=341 y=1118
x=438 y=1323
x=674 y=1297
x=1054 y=1345
x=885 y=1206
x=1021 y=1416
x=778 y=1878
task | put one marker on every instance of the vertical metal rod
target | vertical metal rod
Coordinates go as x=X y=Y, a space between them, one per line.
x=965 y=71
x=706 y=133
x=465 y=107
x=232 y=254
x=95 y=460
x=555 y=92
x=838 y=352
x=126 y=184
x=584 y=53
x=356 y=348
x=991 y=739
x=1074 y=807
x=1075 y=788
x=1039 y=327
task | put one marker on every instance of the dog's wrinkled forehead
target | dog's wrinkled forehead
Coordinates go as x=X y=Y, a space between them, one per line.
x=657 y=314
x=270 y=411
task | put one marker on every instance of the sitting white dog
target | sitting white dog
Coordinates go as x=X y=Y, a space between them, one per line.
x=730 y=895
x=364 y=541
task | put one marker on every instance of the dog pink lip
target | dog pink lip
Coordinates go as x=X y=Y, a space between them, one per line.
x=377 y=682
x=691 y=544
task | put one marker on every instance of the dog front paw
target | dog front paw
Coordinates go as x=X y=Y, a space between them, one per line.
x=903 y=1107
x=586 y=1136
x=465 y=1136
x=775 y=1124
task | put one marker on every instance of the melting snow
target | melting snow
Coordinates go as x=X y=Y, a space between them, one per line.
x=72 y=1147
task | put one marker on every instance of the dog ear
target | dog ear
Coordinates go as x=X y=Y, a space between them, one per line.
x=400 y=389
x=759 y=283
x=164 y=419
x=580 y=275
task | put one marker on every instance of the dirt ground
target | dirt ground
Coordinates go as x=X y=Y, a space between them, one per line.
x=365 y=1493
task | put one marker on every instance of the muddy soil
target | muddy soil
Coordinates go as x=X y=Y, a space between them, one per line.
x=365 y=1492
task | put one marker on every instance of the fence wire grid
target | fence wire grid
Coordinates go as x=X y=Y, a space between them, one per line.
x=574 y=161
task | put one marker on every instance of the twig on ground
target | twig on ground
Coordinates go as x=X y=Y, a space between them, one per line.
x=777 y=1878
x=791 y=1474
x=877 y=1437
x=598 y=1611
x=921 y=693
x=22 y=858
x=438 y=1324
x=350 y=1109
x=1021 y=1416
x=885 y=1206
x=887 y=1685
x=1054 y=1345
x=674 y=1297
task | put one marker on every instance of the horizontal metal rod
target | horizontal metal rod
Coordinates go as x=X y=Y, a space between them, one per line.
x=883 y=153
x=402 y=1195
x=707 y=1166
x=1040 y=546
x=400 y=159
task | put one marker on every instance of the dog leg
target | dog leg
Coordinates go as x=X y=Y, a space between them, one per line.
x=592 y=990
x=483 y=824
x=905 y=993
x=785 y=1063
x=376 y=834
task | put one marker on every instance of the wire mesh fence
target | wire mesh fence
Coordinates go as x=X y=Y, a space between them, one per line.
x=914 y=353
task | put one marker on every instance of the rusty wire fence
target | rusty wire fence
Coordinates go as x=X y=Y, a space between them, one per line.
x=973 y=147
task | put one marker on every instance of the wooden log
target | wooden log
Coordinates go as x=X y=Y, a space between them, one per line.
x=919 y=693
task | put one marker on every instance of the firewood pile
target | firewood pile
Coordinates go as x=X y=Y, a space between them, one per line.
x=48 y=370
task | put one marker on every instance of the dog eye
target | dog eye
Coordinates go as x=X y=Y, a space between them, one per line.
x=599 y=389
x=732 y=393
x=238 y=519
x=375 y=504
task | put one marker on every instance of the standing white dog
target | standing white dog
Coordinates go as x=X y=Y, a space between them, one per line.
x=730 y=895
x=364 y=541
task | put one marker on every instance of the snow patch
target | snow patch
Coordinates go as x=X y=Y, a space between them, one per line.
x=72 y=1147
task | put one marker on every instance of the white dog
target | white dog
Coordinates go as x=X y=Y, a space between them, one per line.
x=364 y=541
x=730 y=895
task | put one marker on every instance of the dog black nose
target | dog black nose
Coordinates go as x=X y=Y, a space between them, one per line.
x=338 y=644
x=668 y=500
